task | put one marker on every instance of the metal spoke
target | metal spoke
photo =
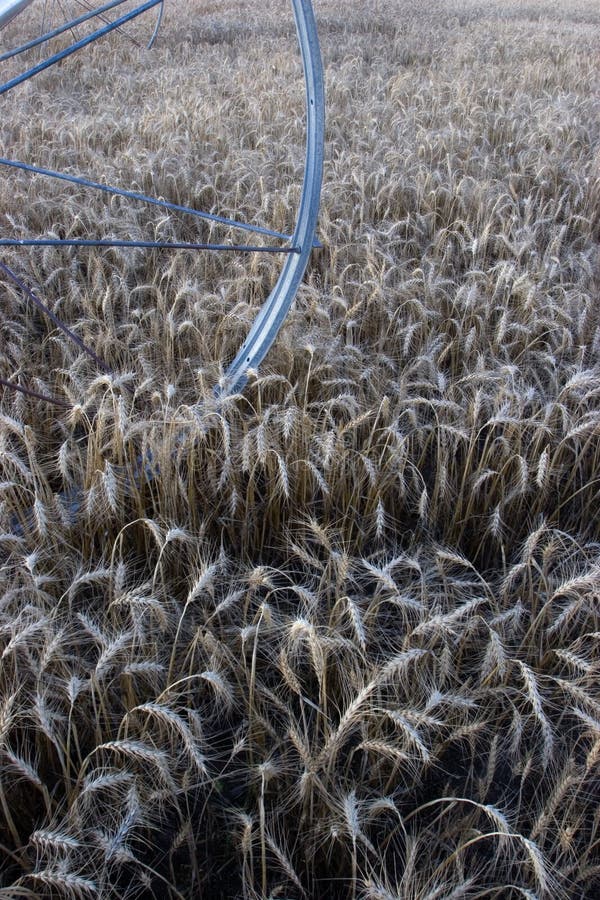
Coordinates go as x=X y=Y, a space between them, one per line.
x=134 y=195
x=102 y=18
x=79 y=45
x=55 y=32
x=71 y=24
x=47 y=398
x=47 y=311
x=152 y=245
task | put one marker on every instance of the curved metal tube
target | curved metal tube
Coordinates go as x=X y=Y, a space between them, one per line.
x=161 y=10
x=11 y=8
x=270 y=318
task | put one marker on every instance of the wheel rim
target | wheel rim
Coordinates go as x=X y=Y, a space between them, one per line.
x=276 y=307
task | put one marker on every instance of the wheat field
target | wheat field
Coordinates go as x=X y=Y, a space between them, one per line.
x=339 y=636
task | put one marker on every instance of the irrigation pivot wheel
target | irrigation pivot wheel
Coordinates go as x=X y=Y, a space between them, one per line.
x=295 y=250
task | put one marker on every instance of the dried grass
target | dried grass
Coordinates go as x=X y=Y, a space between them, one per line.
x=339 y=637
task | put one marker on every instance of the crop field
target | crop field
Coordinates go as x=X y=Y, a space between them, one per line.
x=339 y=636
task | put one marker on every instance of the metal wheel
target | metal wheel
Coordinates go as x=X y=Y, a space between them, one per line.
x=296 y=250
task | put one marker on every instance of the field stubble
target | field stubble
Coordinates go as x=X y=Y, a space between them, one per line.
x=339 y=637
